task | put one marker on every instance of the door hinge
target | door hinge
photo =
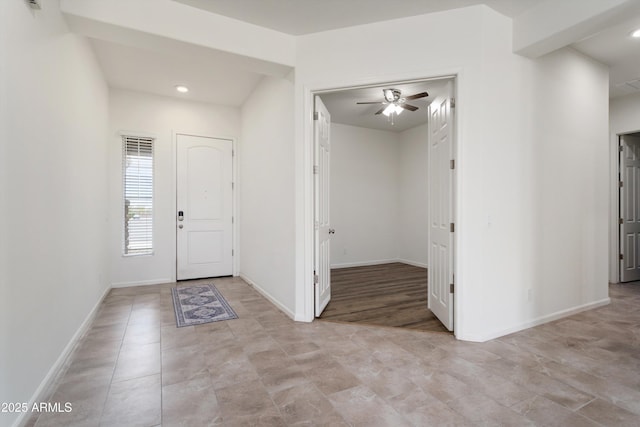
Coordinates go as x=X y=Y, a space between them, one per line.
x=452 y=164
x=316 y=279
x=232 y=185
x=621 y=221
x=316 y=225
x=232 y=252
x=451 y=288
x=315 y=115
x=35 y=4
x=452 y=103
x=621 y=257
x=620 y=184
x=233 y=153
x=452 y=227
x=232 y=220
x=621 y=149
x=315 y=169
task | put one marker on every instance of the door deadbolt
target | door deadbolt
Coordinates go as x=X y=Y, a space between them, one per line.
x=180 y=216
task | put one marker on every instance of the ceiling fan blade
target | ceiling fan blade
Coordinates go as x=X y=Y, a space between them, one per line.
x=370 y=102
x=408 y=107
x=380 y=110
x=418 y=95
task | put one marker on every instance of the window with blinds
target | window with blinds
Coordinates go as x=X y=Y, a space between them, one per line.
x=137 y=168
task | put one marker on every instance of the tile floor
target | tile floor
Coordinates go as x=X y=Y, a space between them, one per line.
x=135 y=368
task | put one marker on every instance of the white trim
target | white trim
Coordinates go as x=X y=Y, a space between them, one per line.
x=535 y=322
x=44 y=389
x=304 y=183
x=142 y=283
x=414 y=263
x=268 y=296
x=377 y=262
x=364 y=263
x=151 y=135
x=614 y=203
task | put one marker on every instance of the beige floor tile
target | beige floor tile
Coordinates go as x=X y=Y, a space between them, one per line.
x=247 y=399
x=543 y=411
x=135 y=402
x=135 y=367
x=137 y=360
x=360 y=406
x=191 y=403
x=182 y=364
x=482 y=410
x=609 y=414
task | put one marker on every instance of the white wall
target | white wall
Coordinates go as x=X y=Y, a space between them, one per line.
x=162 y=117
x=54 y=145
x=520 y=124
x=624 y=117
x=5 y=393
x=365 y=197
x=267 y=191
x=414 y=196
x=379 y=196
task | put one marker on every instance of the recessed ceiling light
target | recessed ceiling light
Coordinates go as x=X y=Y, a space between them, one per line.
x=636 y=34
x=182 y=89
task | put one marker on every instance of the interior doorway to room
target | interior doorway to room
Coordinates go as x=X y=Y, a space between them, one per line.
x=384 y=207
x=204 y=202
x=629 y=207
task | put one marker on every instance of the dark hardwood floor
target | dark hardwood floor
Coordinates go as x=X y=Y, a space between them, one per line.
x=387 y=295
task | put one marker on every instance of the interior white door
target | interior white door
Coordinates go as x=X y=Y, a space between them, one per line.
x=440 y=299
x=630 y=208
x=322 y=148
x=205 y=207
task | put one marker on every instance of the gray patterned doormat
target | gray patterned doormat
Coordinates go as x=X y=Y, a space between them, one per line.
x=198 y=304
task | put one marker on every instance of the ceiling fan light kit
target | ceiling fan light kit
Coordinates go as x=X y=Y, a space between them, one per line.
x=394 y=104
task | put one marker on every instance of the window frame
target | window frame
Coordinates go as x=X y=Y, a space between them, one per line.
x=125 y=137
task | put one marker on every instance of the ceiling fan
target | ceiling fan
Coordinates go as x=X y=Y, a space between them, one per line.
x=394 y=102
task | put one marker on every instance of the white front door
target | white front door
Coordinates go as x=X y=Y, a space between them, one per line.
x=630 y=208
x=204 y=203
x=440 y=279
x=322 y=151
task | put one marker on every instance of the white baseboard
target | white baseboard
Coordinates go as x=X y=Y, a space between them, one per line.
x=268 y=296
x=364 y=263
x=377 y=262
x=535 y=322
x=141 y=283
x=414 y=263
x=43 y=390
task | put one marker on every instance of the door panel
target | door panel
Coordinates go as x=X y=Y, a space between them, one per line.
x=440 y=298
x=630 y=208
x=322 y=159
x=204 y=196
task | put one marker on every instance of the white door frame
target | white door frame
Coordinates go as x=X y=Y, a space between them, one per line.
x=614 y=208
x=235 y=225
x=304 y=177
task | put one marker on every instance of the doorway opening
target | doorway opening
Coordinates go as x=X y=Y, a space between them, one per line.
x=384 y=207
x=628 y=207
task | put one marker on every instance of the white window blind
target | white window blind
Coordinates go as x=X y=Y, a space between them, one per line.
x=137 y=168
